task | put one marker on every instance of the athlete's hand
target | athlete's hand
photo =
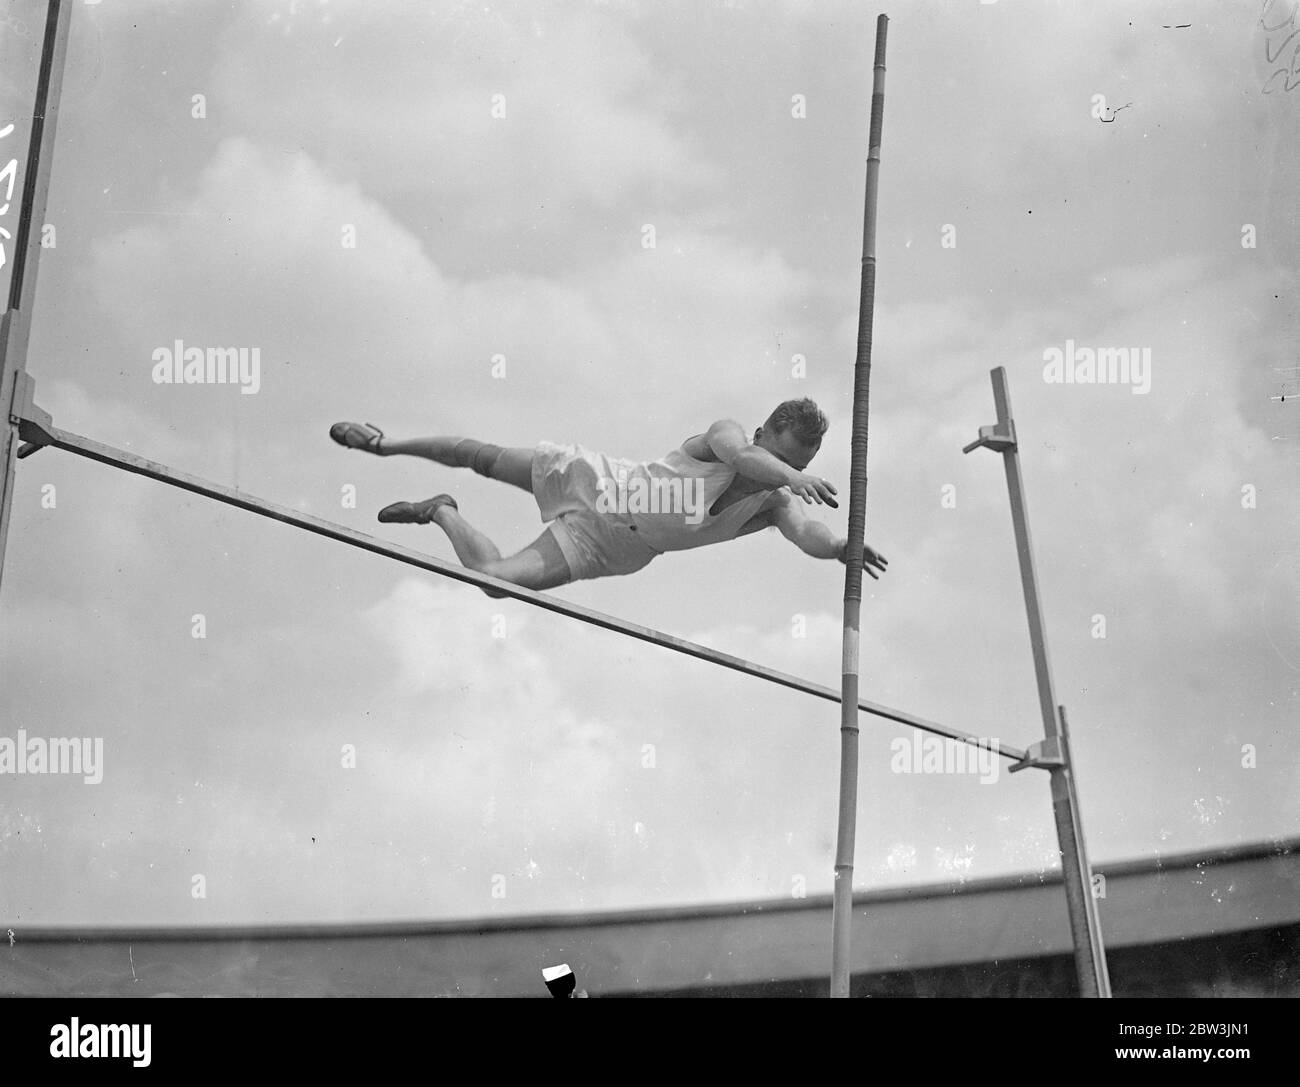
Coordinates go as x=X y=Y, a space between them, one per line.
x=870 y=557
x=813 y=489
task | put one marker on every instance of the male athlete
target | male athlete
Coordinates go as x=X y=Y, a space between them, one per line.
x=610 y=516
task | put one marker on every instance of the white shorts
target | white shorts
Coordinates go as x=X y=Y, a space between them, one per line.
x=566 y=484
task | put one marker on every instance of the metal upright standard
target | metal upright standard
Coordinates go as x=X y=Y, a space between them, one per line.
x=16 y=324
x=26 y=421
x=842 y=907
x=1053 y=752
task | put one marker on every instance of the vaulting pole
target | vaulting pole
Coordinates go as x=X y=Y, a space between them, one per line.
x=842 y=909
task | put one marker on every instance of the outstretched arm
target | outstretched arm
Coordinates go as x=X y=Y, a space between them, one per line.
x=816 y=539
x=727 y=440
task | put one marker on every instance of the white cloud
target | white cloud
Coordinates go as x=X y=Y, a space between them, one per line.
x=586 y=116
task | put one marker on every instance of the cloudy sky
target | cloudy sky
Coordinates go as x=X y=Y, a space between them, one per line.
x=383 y=198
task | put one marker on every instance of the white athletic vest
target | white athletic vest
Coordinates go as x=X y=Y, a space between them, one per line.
x=668 y=501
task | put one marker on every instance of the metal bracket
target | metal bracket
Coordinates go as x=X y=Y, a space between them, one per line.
x=1000 y=441
x=34 y=424
x=1045 y=754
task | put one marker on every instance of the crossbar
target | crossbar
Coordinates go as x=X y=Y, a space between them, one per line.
x=41 y=433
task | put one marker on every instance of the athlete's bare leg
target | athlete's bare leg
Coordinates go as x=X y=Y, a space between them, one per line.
x=540 y=565
x=513 y=466
x=472 y=547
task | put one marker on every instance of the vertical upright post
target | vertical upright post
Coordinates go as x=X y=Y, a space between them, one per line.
x=1054 y=753
x=16 y=323
x=1085 y=924
x=842 y=908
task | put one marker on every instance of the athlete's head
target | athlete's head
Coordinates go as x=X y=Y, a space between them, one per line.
x=793 y=433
